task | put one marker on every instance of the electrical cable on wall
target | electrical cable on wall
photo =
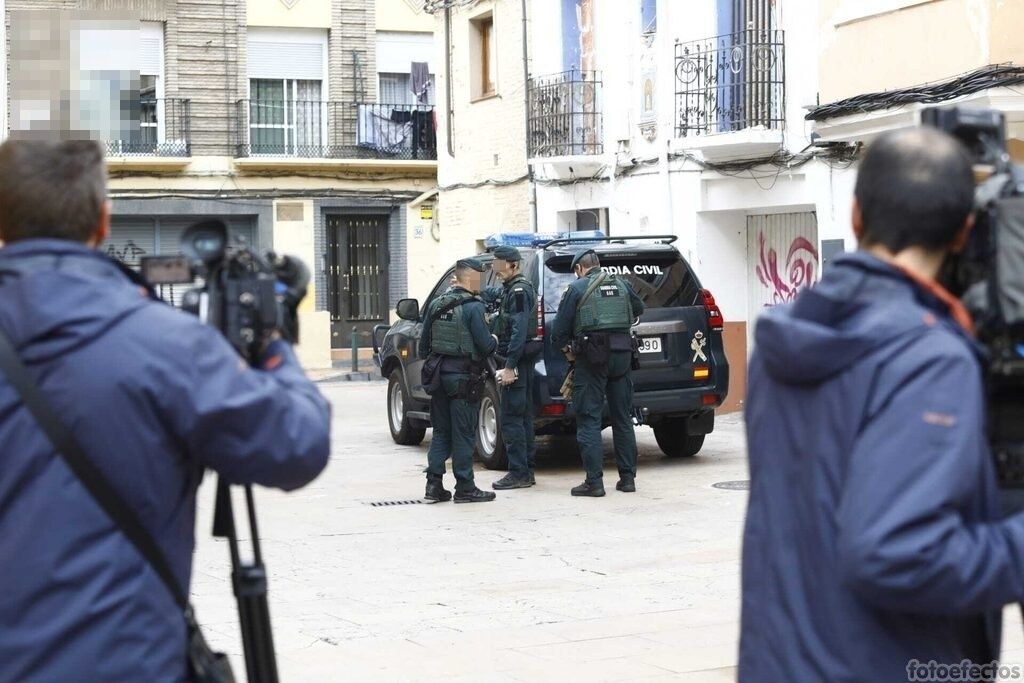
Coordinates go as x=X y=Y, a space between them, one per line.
x=979 y=80
x=432 y=6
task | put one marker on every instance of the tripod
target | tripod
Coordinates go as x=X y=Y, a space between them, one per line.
x=250 y=585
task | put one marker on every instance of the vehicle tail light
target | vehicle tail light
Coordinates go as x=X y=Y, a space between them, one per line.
x=540 y=316
x=709 y=400
x=715 y=320
x=553 y=410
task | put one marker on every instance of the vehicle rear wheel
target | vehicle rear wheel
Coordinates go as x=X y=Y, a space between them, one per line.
x=675 y=442
x=402 y=430
x=490 y=447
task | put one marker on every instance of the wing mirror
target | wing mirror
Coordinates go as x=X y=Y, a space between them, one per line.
x=408 y=309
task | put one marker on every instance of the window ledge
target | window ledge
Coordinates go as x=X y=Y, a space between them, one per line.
x=146 y=163
x=484 y=98
x=412 y=167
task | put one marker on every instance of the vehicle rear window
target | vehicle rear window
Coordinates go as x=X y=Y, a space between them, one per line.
x=660 y=279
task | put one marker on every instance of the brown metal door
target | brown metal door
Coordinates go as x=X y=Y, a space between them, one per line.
x=357 y=259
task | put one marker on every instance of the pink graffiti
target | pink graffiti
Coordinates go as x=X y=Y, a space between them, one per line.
x=801 y=262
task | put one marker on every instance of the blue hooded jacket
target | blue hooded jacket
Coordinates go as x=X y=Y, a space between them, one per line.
x=872 y=535
x=154 y=397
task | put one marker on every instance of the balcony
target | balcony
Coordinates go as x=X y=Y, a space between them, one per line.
x=164 y=138
x=731 y=94
x=565 y=124
x=330 y=133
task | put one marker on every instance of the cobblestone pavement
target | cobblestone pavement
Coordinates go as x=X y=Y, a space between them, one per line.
x=534 y=586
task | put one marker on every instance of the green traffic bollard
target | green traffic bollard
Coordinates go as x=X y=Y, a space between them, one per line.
x=355 y=350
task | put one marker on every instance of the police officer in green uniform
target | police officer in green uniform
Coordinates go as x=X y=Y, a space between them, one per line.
x=592 y=326
x=455 y=329
x=514 y=326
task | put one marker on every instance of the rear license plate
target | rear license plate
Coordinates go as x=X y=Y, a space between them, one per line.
x=650 y=345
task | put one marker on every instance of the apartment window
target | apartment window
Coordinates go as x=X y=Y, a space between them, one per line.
x=286 y=116
x=396 y=88
x=649 y=16
x=287 y=108
x=485 y=64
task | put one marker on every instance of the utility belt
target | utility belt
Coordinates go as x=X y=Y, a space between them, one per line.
x=531 y=350
x=470 y=389
x=596 y=348
x=451 y=365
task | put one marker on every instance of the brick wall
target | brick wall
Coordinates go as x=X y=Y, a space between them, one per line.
x=488 y=136
x=204 y=56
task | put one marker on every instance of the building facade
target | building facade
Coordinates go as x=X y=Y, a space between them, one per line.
x=483 y=176
x=686 y=119
x=295 y=121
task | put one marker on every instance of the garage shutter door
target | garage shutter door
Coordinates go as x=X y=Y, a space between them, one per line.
x=132 y=238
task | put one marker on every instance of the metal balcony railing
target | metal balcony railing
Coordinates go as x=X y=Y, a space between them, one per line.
x=731 y=83
x=164 y=130
x=565 y=114
x=335 y=130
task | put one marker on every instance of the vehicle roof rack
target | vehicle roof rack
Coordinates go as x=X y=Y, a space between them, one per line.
x=663 y=239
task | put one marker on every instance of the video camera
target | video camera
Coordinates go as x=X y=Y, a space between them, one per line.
x=989 y=277
x=249 y=298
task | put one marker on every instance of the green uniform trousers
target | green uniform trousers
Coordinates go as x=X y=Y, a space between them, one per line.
x=591 y=385
x=517 y=421
x=454 y=432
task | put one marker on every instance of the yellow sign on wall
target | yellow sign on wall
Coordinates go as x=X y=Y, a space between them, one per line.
x=426 y=213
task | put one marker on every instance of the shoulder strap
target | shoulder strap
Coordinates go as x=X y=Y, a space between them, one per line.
x=451 y=306
x=598 y=281
x=91 y=478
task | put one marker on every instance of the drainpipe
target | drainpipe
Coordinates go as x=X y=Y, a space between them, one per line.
x=526 y=117
x=448 y=77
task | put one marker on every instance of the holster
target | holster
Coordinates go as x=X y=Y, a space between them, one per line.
x=566 y=390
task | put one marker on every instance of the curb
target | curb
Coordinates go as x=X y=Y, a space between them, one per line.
x=350 y=377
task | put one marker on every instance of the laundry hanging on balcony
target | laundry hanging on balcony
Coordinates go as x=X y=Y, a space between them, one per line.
x=377 y=128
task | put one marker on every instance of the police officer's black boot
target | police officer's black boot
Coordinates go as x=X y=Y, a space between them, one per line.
x=513 y=481
x=592 y=490
x=436 y=492
x=474 y=495
x=626 y=484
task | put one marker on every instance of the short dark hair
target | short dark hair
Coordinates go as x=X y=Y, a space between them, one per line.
x=52 y=189
x=915 y=189
x=589 y=260
x=464 y=271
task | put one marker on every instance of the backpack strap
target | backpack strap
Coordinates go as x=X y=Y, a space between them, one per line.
x=451 y=307
x=598 y=281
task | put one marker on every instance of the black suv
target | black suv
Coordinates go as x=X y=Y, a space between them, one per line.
x=683 y=375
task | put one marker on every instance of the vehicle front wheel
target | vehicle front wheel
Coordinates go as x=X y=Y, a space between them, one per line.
x=402 y=430
x=675 y=442
x=490 y=447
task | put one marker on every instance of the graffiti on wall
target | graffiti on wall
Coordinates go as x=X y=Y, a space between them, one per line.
x=785 y=280
x=130 y=254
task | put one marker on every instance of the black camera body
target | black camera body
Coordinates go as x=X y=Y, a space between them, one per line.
x=248 y=297
x=989 y=276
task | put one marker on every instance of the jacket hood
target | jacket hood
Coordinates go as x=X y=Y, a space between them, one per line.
x=860 y=304
x=57 y=295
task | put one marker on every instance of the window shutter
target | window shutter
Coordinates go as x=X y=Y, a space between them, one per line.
x=151 y=48
x=280 y=58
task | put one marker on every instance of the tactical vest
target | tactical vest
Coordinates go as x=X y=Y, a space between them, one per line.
x=449 y=332
x=604 y=306
x=502 y=327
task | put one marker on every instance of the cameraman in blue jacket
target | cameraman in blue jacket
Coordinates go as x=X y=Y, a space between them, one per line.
x=874 y=548
x=153 y=396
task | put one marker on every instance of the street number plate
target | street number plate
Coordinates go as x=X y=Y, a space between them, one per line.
x=650 y=345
